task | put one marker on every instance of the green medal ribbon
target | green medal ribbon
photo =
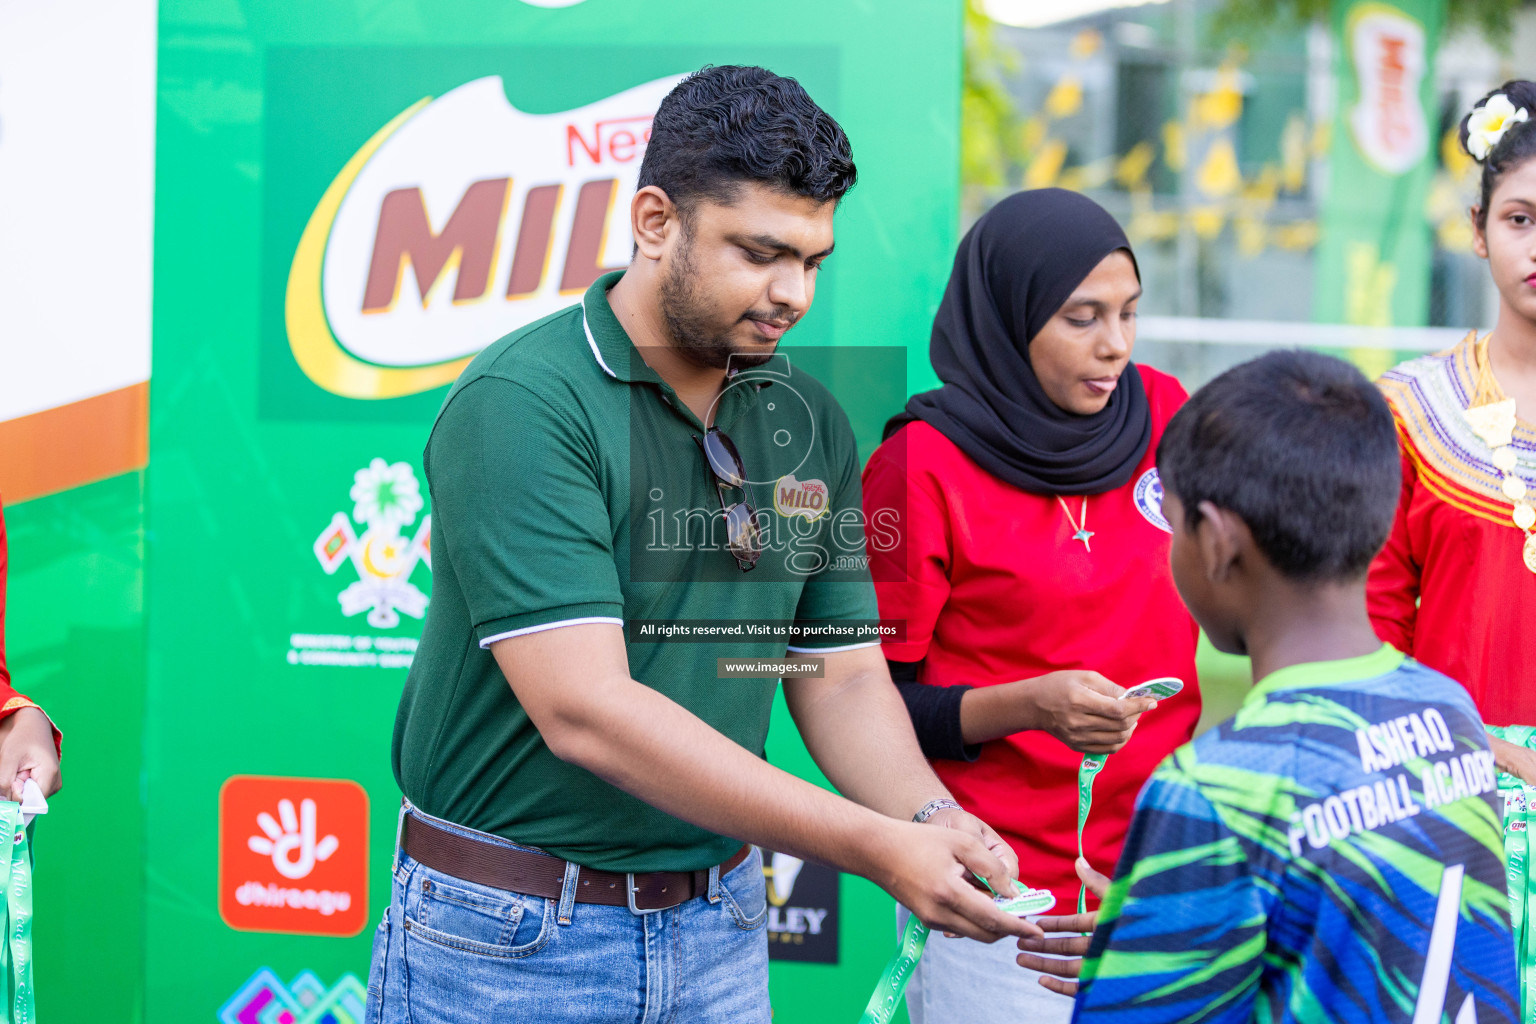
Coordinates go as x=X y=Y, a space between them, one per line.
x=1158 y=689
x=16 y=949
x=893 y=981
x=1027 y=901
x=1519 y=819
x=1092 y=763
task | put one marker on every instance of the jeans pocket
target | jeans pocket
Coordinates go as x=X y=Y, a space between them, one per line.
x=447 y=911
x=374 y=1012
x=744 y=893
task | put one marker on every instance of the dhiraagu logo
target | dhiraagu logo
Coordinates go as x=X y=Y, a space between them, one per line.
x=460 y=220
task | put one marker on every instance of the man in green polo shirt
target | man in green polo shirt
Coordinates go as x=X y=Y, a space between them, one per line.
x=579 y=787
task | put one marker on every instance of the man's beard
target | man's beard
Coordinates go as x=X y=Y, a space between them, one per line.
x=696 y=333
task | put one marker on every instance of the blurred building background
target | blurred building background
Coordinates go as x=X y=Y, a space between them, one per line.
x=1209 y=128
x=1232 y=139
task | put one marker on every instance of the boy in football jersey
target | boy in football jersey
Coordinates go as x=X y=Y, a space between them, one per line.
x=1332 y=852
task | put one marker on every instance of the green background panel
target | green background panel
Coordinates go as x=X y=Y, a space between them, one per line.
x=260 y=104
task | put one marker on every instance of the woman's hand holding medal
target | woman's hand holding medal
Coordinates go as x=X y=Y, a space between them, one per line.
x=1082 y=709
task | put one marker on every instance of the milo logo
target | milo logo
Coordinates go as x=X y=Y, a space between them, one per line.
x=461 y=219
x=808 y=498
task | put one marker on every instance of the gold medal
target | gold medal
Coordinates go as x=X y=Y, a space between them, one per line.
x=1530 y=551
x=1525 y=516
x=1494 y=423
x=1514 y=488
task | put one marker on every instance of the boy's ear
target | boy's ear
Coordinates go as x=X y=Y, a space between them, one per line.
x=1221 y=536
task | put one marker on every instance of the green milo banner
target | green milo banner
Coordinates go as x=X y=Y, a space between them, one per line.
x=350 y=200
x=1373 y=262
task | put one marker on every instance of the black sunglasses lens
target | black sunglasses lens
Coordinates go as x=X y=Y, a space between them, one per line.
x=742 y=535
x=723 y=458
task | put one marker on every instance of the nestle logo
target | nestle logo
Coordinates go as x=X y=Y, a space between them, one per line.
x=617 y=140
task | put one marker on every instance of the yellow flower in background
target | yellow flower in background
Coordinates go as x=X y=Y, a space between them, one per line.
x=1132 y=168
x=1490 y=121
x=1088 y=176
x=1297 y=237
x=1066 y=97
x=1175 y=155
x=1207 y=221
x=1223 y=104
x=1457 y=163
x=1252 y=235
x=1045 y=168
x=1032 y=134
x=1293 y=154
x=1218 y=174
x=1086 y=43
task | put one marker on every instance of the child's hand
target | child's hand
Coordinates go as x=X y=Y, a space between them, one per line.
x=1518 y=761
x=1061 y=975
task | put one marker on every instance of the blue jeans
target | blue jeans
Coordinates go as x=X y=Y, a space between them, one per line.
x=454 y=951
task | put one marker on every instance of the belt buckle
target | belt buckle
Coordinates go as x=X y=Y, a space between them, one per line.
x=629 y=893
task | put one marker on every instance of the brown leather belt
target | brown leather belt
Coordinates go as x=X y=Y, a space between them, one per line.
x=539 y=874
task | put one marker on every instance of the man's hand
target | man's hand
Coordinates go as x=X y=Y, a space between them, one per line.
x=1518 y=761
x=1083 y=710
x=962 y=821
x=1061 y=975
x=27 y=751
x=929 y=869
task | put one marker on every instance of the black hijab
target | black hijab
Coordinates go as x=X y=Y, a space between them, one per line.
x=1014 y=269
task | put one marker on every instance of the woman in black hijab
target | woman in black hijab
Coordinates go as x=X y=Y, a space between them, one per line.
x=1029 y=562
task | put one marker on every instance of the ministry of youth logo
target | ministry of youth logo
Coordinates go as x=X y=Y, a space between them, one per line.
x=1149 y=500
x=386 y=499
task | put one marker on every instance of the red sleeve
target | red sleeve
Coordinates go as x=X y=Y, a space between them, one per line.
x=1392 y=589
x=908 y=545
x=11 y=701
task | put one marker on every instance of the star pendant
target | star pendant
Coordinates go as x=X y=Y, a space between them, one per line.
x=1083 y=536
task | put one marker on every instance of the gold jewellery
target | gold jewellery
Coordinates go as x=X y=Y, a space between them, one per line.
x=1493 y=419
x=1083 y=534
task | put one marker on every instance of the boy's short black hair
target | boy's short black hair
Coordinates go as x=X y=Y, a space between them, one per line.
x=1303 y=448
x=722 y=126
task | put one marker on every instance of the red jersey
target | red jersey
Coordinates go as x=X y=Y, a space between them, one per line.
x=1451 y=588
x=993 y=588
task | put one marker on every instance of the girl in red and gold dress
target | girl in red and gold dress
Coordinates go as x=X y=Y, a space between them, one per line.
x=1455 y=586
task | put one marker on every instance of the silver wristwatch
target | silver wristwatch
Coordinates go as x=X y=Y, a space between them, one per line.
x=933 y=807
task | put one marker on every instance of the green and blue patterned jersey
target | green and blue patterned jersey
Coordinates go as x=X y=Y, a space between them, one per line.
x=1331 y=853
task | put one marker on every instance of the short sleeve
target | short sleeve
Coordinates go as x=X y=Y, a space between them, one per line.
x=909 y=548
x=1182 y=931
x=840 y=590
x=517 y=504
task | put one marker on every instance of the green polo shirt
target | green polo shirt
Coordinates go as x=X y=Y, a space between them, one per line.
x=567 y=487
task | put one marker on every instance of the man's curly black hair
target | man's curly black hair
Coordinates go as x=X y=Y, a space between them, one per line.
x=723 y=126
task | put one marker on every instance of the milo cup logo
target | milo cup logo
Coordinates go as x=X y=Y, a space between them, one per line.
x=460 y=220
x=808 y=498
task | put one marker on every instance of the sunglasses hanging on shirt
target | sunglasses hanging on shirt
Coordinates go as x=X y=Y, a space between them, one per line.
x=743 y=539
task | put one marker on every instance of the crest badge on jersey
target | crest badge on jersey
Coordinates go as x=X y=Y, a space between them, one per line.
x=1149 y=500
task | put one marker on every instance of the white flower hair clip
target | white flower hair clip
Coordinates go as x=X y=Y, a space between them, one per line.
x=1490 y=121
